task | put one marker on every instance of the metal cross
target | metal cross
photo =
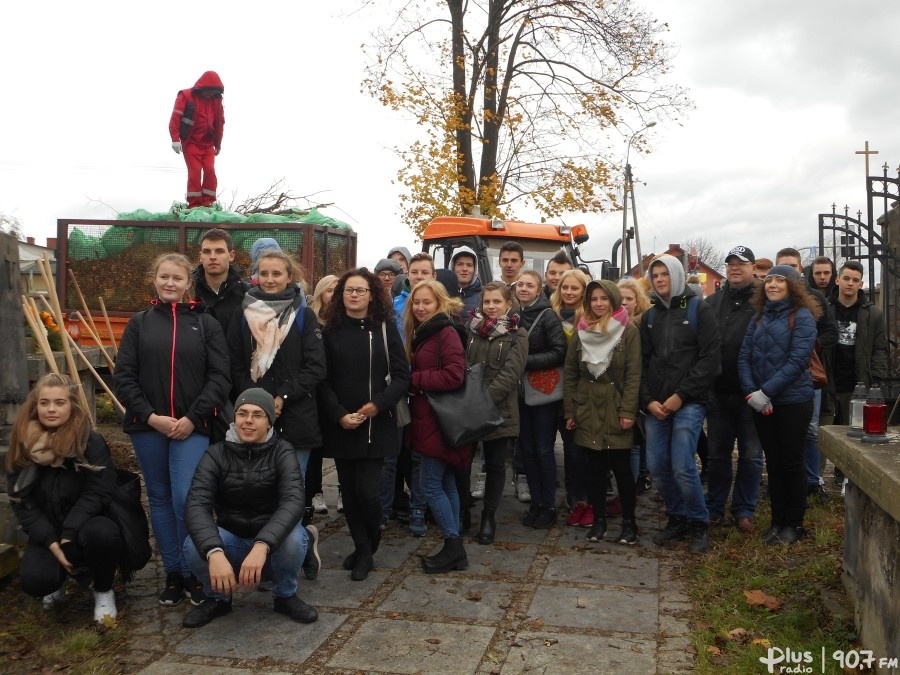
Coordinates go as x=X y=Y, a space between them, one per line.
x=867 y=152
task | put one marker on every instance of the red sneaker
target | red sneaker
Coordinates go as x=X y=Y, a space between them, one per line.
x=587 y=518
x=575 y=517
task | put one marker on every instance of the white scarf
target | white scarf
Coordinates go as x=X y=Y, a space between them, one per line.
x=268 y=328
x=596 y=347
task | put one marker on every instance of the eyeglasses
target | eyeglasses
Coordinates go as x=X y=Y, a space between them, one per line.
x=386 y=275
x=355 y=291
x=255 y=415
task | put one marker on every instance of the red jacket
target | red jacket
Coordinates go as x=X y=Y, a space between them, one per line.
x=209 y=115
x=427 y=377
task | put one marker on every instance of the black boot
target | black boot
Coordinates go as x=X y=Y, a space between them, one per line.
x=487 y=528
x=363 y=563
x=307 y=516
x=451 y=557
x=531 y=514
x=465 y=520
x=546 y=517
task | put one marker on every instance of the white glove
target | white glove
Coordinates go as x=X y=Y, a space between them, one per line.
x=758 y=400
x=768 y=409
x=176 y=146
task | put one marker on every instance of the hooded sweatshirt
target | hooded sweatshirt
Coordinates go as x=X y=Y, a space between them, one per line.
x=471 y=294
x=402 y=250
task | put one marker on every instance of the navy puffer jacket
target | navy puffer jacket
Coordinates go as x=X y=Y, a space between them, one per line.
x=775 y=358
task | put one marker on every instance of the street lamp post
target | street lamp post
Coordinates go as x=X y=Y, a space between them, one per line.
x=629 y=190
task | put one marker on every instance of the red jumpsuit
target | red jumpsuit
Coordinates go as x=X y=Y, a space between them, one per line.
x=204 y=140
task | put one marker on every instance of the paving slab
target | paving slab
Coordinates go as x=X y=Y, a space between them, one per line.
x=546 y=652
x=613 y=568
x=622 y=610
x=501 y=558
x=398 y=646
x=456 y=596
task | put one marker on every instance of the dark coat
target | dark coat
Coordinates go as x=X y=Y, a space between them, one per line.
x=253 y=491
x=357 y=368
x=193 y=382
x=775 y=358
x=595 y=403
x=871 y=346
x=295 y=375
x=436 y=336
x=679 y=358
x=54 y=503
x=546 y=339
x=504 y=362
x=226 y=304
x=733 y=309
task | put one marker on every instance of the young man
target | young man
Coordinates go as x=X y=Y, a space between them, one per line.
x=249 y=526
x=465 y=265
x=558 y=264
x=387 y=270
x=512 y=259
x=401 y=255
x=821 y=275
x=421 y=268
x=761 y=268
x=681 y=356
x=217 y=280
x=196 y=127
x=827 y=338
x=861 y=354
x=729 y=418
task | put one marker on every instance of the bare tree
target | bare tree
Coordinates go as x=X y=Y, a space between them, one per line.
x=277 y=199
x=11 y=225
x=707 y=251
x=519 y=100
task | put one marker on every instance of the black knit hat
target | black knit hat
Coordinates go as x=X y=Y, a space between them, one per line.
x=260 y=397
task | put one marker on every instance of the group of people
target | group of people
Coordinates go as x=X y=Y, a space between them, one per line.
x=235 y=389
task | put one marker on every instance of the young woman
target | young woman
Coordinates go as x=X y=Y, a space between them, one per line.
x=438 y=364
x=602 y=381
x=537 y=426
x=60 y=478
x=172 y=377
x=315 y=499
x=636 y=301
x=568 y=303
x=357 y=401
x=496 y=340
x=773 y=366
x=277 y=346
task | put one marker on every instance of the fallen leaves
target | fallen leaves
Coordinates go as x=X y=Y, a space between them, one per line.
x=758 y=598
x=580 y=603
x=474 y=596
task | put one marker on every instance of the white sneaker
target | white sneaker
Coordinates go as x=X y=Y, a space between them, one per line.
x=104 y=605
x=478 y=492
x=318 y=503
x=340 y=504
x=57 y=597
x=523 y=494
x=844 y=487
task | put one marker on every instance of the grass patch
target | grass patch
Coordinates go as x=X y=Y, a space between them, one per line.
x=731 y=634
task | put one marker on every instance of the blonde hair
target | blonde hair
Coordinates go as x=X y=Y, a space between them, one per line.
x=642 y=300
x=291 y=264
x=594 y=322
x=445 y=305
x=175 y=259
x=556 y=301
x=315 y=303
x=70 y=437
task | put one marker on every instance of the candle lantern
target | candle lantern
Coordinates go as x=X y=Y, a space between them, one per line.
x=875 y=417
x=857 y=403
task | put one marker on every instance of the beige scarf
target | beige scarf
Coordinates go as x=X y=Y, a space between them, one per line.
x=269 y=328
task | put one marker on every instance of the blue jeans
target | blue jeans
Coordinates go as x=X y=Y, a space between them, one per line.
x=671 y=450
x=537 y=434
x=729 y=418
x=437 y=481
x=283 y=564
x=303 y=461
x=811 y=452
x=168 y=467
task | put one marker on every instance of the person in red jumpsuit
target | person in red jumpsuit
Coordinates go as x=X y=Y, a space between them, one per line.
x=196 y=128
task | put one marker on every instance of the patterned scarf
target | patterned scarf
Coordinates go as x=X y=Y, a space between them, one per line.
x=493 y=328
x=596 y=346
x=269 y=318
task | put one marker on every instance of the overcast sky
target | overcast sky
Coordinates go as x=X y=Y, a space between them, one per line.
x=786 y=92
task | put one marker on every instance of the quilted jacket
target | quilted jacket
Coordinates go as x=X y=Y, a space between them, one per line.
x=775 y=358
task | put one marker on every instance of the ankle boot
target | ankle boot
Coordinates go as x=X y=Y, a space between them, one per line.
x=363 y=564
x=451 y=557
x=531 y=514
x=487 y=528
x=629 y=533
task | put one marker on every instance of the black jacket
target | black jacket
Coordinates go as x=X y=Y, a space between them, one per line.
x=53 y=503
x=193 y=381
x=733 y=309
x=253 y=491
x=546 y=339
x=226 y=304
x=357 y=367
x=871 y=347
x=295 y=374
x=679 y=358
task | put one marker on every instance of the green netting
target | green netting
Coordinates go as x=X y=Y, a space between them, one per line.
x=85 y=247
x=215 y=214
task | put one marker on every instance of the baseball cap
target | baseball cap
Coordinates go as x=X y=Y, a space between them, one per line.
x=743 y=254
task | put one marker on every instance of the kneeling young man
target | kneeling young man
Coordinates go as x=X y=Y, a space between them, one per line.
x=247 y=525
